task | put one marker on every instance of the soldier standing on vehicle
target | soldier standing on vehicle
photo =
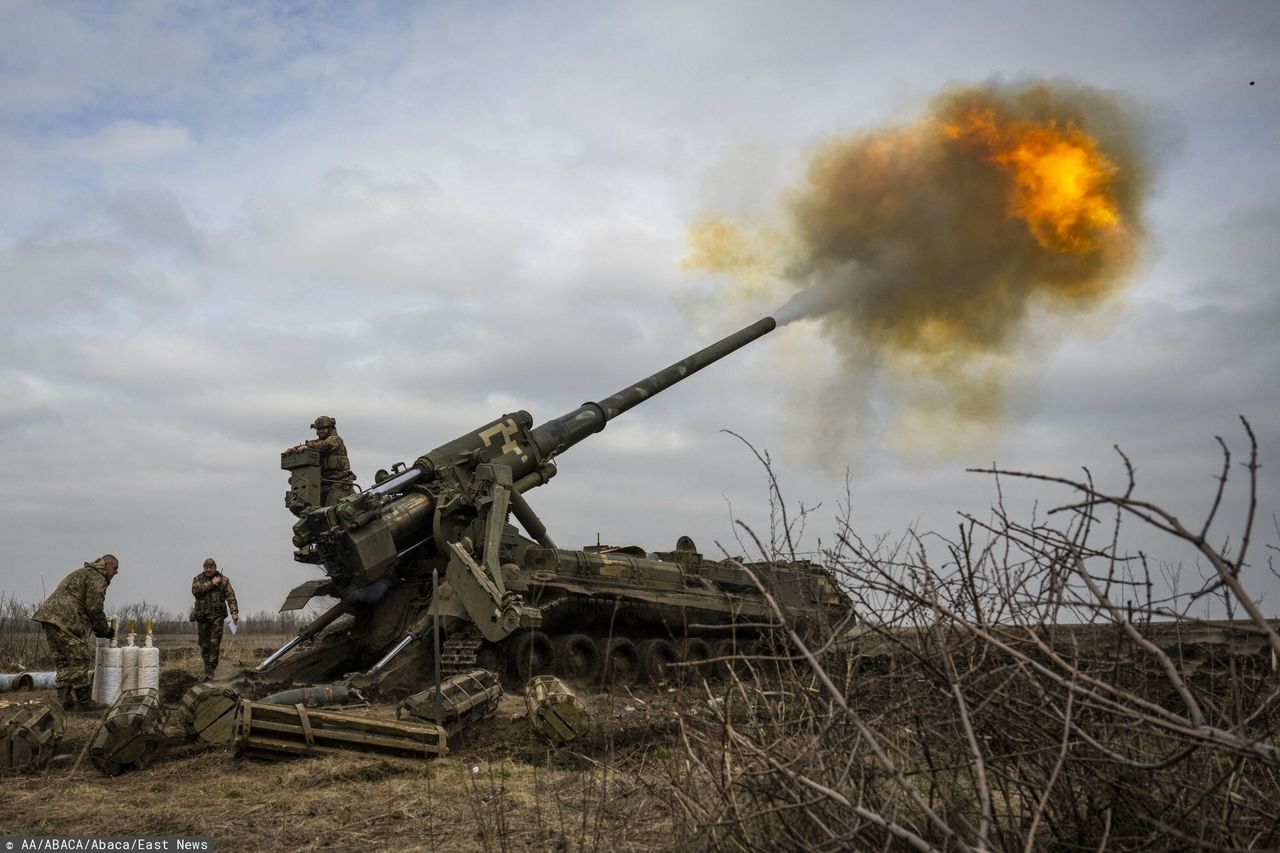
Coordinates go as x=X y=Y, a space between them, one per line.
x=67 y=616
x=214 y=597
x=337 y=480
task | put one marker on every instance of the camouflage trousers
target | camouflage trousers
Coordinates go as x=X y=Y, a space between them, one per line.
x=332 y=491
x=72 y=655
x=209 y=632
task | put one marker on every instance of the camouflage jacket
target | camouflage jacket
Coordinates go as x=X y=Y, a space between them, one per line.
x=334 y=465
x=213 y=599
x=76 y=605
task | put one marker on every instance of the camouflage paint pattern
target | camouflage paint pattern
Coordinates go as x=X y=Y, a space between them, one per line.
x=505 y=597
x=213 y=600
x=212 y=603
x=337 y=480
x=209 y=635
x=76 y=605
x=73 y=657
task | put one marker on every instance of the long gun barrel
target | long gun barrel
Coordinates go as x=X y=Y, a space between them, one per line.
x=558 y=435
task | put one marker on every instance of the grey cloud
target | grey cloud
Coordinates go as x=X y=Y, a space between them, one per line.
x=131 y=141
x=359 y=235
x=58 y=51
x=63 y=274
x=27 y=405
x=156 y=218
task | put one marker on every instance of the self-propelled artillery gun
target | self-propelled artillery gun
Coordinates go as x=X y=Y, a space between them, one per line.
x=432 y=544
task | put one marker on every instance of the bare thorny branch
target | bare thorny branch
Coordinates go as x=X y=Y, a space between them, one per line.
x=1029 y=691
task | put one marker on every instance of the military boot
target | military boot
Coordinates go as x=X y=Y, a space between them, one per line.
x=84 y=700
x=65 y=697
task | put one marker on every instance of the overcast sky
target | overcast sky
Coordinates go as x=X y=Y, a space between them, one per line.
x=218 y=221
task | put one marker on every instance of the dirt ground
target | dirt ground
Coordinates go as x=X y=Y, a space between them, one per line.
x=501 y=787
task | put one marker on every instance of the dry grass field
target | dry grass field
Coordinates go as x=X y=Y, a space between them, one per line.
x=501 y=787
x=752 y=763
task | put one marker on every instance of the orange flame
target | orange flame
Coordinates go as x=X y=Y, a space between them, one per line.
x=933 y=254
x=1061 y=181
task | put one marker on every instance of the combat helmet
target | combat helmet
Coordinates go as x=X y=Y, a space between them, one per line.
x=324 y=422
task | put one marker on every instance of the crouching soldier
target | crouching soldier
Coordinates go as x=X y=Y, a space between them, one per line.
x=214 y=598
x=68 y=616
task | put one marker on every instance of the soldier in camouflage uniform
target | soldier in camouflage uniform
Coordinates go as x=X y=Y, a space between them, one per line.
x=214 y=597
x=75 y=609
x=337 y=480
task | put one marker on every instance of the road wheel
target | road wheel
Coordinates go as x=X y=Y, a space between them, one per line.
x=696 y=652
x=621 y=662
x=489 y=657
x=656 y=657
x=531 y=654
x=577 y=658
x=732 y=650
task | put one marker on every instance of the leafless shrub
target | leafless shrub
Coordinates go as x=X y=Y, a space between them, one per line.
x=22 y=644
x=163 y=620
x=1023 y=685
x=270 y=622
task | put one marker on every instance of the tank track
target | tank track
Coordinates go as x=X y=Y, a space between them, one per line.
x=460 y=651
